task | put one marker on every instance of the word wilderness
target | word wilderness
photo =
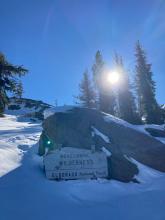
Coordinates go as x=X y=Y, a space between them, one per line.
x=74 y=163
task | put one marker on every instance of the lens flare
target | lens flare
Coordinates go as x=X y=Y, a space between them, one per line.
x=113 y=77
x=48 y=142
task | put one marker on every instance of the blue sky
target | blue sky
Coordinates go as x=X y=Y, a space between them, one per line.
x=57 y=40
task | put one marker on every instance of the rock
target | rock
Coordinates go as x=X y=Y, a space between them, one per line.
x=156 y=132
x=77 y=128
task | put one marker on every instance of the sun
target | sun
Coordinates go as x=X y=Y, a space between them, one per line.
x=113 y=77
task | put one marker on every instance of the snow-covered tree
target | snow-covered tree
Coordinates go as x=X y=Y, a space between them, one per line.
x=9 y=82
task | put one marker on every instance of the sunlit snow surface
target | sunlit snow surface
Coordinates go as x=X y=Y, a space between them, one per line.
x=98 y=133
x=51 y=111
x=15 y=137
x=140 y=128
x=26 y=194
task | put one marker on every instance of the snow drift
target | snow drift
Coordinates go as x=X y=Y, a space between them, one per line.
x=26 y=194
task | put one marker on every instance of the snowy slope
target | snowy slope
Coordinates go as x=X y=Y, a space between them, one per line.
x=27 y=108
x=15 y=137
x=26 y=194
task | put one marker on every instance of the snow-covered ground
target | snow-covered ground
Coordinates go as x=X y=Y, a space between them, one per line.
x=25 y=193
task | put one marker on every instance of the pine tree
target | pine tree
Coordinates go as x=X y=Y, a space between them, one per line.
x=9 y=82
x=18 y=91
x=106 y=98
x=126 y=102
x=87 y=94
x=145 y=87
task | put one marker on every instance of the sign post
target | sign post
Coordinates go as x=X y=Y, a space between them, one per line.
x=74 y=163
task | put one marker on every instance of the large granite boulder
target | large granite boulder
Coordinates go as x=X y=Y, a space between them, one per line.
x=82 y=128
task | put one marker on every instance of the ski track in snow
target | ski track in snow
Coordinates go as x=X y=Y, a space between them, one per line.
x=26 y=194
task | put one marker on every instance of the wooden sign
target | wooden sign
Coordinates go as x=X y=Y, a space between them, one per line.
x=74 y=163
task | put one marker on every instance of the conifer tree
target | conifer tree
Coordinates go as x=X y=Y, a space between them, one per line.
x=105 y=94
x=18 y=91
x=9 y=82
x=87 y=97
x=145 y=87
x=126 y=102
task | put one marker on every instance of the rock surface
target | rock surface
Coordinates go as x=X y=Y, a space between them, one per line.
x=81 y=128
x=155 y=132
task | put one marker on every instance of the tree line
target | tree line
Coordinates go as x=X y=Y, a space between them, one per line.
x=134 y=101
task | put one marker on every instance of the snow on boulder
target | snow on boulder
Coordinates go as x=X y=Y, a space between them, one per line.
x=163 y=106
x=97 y=132
x=83 y=128
x=50 y=111
x=156 y=132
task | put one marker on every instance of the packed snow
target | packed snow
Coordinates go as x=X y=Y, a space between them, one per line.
x=15 y=136
x=110 y=118
x=106 y=151
x=145 y=173
x=161 y=139
x=140 y=128
x=62 y=109
x=26 y=194
x=163 y=106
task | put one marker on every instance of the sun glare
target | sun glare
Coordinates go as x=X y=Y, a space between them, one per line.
x=113 y=77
